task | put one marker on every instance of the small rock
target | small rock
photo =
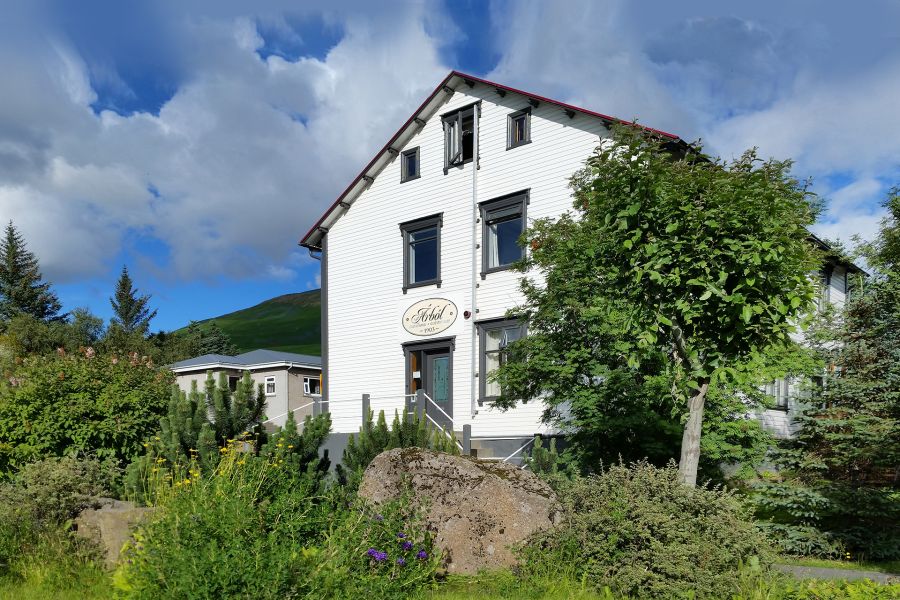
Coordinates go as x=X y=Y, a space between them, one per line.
x=110 y=525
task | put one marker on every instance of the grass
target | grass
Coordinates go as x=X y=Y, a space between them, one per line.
x=502 y=585
x=289 y=323
x=890 y=567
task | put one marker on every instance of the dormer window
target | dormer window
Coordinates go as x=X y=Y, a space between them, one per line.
x=409 y=165
x=518 y=129
x=459 y=137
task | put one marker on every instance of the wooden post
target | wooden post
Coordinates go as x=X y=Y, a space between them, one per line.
x=365 y=412
x=467 y=440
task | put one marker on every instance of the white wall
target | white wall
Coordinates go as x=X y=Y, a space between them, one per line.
x=365 y=260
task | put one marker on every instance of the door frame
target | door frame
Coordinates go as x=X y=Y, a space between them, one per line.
x=447 y=344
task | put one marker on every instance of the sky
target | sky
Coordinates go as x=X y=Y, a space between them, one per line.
x=196 y=142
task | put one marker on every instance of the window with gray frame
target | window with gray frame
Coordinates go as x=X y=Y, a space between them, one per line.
x=409 y=165
x=503 y=221
x=421 y=252
x=518 y=129
x=495 y=336
x=459 y=137
x=780 y=390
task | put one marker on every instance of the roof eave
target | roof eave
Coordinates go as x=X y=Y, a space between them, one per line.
x=313 y=238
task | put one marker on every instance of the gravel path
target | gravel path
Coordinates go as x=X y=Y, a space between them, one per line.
x=826 y=573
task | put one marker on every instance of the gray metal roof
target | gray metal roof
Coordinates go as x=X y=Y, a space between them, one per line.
x=248 y=360
x=256 y=357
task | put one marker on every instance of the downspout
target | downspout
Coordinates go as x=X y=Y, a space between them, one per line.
x=473 y=302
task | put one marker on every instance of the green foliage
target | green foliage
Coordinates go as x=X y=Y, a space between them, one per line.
x=210 y=339
x=639 y=531
x=22 y=290
x=258 y=527
x=673 y=276
x=547 y=461
x=131 y=312
x=35 y=506
x=404 y=432
x=838 y=489
x=79 y=404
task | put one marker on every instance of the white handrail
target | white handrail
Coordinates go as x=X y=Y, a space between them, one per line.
x=531 y=441
x=449 y=418
x=288 y=412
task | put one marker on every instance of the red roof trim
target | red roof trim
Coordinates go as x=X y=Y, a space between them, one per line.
x=429 y=98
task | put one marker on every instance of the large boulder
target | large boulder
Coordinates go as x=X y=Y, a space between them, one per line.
x=110 y=525
x=476 y=509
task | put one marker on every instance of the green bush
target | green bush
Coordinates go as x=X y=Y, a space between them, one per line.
x=374 y=438
x=79 y=404
x=36 y=506
x=642 y=533
x=266 y=527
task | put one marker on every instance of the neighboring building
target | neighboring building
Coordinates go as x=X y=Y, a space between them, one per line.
x=416 y=255
x=291 y=382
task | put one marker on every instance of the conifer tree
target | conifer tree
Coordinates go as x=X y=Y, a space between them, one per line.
x=21 y=287
x=131 y=312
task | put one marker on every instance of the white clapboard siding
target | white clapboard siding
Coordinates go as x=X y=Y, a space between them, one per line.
x=365 y=260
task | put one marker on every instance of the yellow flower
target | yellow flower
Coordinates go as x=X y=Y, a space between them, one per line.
x=290 y=445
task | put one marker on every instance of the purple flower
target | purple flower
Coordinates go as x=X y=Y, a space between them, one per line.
x=381 y=557
x=401 y=535
x=407 y=545
x=401 y=562
x=422 y=555
x=372 y=552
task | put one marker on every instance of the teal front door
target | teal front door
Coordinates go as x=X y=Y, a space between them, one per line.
x=439 y=387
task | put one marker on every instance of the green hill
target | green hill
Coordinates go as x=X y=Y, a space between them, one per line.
x=290 y=323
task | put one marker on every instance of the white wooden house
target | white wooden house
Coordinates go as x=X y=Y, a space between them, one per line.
x=415 y=255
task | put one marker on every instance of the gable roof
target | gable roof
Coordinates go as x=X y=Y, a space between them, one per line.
x=248 y=360
x=313 y=237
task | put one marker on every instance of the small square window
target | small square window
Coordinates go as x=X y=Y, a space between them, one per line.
x=503 y=223
x=312 y=386
x=422 y=252
x=518 y=129
x=270 y=386
x=409 y=165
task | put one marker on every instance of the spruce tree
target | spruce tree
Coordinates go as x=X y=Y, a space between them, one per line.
x=212 y=340
x=130 y=311
x=21 y=287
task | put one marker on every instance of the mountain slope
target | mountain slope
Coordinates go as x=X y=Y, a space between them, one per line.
x=290 y=323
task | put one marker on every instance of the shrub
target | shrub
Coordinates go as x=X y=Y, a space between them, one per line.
x=53 y=490
x=641 y=532
x=266 y=527
x=80 y=404
x=376 y=437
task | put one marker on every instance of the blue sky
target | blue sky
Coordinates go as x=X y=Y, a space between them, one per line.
x=196 y=142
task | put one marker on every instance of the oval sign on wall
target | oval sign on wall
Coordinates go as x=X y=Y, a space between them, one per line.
x=429 y=317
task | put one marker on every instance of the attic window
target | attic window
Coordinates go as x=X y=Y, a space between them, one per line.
x=459 y=137
x=518 y=129
x=409 y=165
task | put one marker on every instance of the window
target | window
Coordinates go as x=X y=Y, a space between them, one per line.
x=459 y=137
x=825 y=289
x=409 y=165
x=421 y=252
x=503 y=223
x=270 y=386
x=312 y=386
x=780 y=389
x=495 y=337
x=518 y=129
x=233 y=381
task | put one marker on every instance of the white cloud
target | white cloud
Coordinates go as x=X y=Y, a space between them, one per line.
x=236 y=165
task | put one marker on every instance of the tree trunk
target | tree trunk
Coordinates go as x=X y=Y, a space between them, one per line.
x=690 y=442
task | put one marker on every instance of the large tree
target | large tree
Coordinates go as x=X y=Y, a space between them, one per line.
x=839 y=484
x=22 y=289
x=131 y=312
x=672 y=268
